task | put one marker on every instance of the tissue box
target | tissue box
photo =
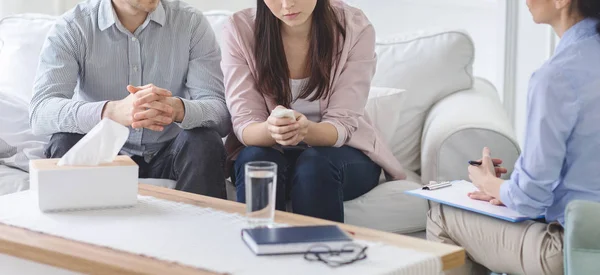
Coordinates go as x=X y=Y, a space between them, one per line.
x=107 y=185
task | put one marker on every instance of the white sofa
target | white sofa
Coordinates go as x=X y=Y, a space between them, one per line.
x=443 y=117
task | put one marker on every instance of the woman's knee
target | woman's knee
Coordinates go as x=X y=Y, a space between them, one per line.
x=256 y=153
x=314 y=172
x=312 y=163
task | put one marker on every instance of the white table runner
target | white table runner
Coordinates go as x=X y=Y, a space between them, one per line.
x=194 y=236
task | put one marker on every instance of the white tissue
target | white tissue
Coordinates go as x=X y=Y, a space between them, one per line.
x=281 y=113
x=100 y=145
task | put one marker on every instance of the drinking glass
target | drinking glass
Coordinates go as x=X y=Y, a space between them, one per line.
x=261 y=184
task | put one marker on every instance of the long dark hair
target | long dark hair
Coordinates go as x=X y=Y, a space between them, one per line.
x=326 y=35
x=589 y=8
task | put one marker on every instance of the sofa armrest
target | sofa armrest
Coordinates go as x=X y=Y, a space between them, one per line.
x=582 y=238
x=459 y=126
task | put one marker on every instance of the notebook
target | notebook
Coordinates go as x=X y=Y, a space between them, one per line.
x=294 y=240
x=455 y=195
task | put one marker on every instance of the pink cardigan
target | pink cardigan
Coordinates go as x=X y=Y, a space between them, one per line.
x=344 y=109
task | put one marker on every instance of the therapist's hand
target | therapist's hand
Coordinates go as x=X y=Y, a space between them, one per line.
x=484 y=176
x=481 y=196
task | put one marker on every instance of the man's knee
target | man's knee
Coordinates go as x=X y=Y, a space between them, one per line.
x=60 y=143
x=202 y=134
x=202 y=143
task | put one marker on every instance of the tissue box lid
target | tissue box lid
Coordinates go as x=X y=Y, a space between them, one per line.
x=51 y=164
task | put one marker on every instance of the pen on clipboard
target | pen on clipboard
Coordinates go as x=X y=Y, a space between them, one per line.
x=436 y=185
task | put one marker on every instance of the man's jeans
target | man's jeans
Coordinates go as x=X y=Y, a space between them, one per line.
x=195 y=159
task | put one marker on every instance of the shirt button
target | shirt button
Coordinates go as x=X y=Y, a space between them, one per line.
x=135 y=68
x=133 y=39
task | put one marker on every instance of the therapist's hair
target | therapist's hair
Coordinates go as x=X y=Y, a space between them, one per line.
x=327 y=34
x=589 y=8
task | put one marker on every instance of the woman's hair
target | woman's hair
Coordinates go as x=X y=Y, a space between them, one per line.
x=589 y=8
x=326 y=35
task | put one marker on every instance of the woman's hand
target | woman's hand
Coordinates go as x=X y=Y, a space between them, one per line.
x=485 y=178
x=302 y=131
x=287 y=131
x=481 y=196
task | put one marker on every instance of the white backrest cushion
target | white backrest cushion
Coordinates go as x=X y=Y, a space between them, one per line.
x=217 y=20
x=429 y=65
x=389 y=110
x=15 y=132
x=21 y=40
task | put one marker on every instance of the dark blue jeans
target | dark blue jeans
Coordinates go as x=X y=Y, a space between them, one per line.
x=317 y=180
x=195 y=159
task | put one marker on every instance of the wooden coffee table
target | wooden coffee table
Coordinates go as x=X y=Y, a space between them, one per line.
x=86 y=258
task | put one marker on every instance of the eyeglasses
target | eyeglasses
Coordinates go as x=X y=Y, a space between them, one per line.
x=334 y=258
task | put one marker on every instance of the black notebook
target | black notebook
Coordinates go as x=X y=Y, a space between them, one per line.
x=294 y=240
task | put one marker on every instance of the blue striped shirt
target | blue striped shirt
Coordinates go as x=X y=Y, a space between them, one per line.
x=89 y=58
x=560 y=161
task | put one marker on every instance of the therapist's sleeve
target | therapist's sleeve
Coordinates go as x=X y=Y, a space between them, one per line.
x=552 y=111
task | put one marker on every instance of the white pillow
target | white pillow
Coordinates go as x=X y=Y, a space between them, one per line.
x=430 y=65
x=217 y=20
x=21 y=40
x=12 y=180
x=15 y=132
x=392 y=113
x=6 y=150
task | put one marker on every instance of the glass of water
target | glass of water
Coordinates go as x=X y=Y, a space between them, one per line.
x=261 y=184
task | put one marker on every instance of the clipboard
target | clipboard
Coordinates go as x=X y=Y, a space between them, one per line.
x=454 y=193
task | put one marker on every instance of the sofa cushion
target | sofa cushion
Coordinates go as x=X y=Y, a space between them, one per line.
x=217 y=20
x=582 y=237
x=15 y=132
x=430 y=65
x=12 y=180
x=387 y=208
x=395 y=126
x=21 y=40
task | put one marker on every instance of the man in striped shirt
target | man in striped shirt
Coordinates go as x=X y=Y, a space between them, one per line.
x=150 y=65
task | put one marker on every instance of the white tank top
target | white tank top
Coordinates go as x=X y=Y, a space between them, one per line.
x=311 y=110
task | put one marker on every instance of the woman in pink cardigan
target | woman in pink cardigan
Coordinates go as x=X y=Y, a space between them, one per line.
x=316 y=57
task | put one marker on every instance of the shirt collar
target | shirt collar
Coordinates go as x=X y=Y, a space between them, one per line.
x=159 y=15
x=107 y=16
x=583 y=29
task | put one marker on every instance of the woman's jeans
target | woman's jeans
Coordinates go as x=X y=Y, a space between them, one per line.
x=317 y=179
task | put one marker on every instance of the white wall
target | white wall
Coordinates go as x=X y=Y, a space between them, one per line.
x=55 y=7
x=535 y=44
x=478 y=17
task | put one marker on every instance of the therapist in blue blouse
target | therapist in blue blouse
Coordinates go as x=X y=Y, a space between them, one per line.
x=560 y=161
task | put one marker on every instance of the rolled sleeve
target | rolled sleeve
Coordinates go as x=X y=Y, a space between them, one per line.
x=89 y=114
x=341 y=134
x=505 y=197
x=193 y=111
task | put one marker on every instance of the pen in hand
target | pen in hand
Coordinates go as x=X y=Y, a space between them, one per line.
x=477 y=163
